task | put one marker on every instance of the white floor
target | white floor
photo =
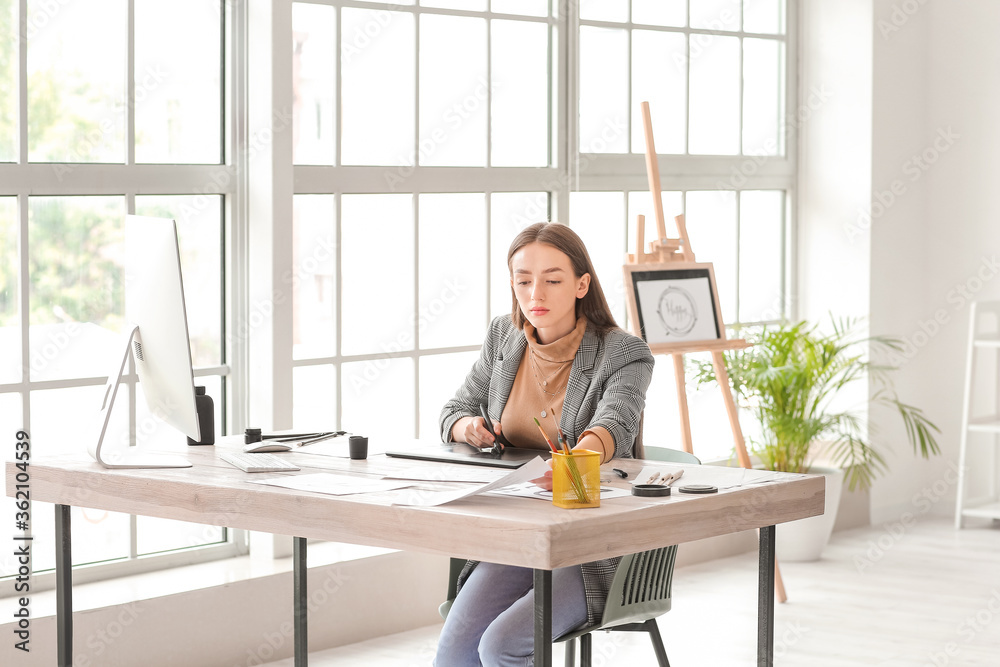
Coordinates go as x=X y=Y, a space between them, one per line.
x=923 y=595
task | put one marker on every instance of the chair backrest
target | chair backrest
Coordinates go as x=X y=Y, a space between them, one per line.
x=641 y=587
x=670 y=455
x=638 y=451
x=643 y=581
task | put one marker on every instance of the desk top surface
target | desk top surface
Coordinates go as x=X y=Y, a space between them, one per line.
x=517 y=531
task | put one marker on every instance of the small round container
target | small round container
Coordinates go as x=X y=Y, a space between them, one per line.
x=698 y=488
x=650 y=490
x=252 y=435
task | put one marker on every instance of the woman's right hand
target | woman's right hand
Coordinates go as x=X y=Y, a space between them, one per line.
x=472 y=430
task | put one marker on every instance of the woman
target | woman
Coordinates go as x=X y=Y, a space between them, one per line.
x=560 y=358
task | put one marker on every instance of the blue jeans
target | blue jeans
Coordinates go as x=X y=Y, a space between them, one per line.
x=491 y=623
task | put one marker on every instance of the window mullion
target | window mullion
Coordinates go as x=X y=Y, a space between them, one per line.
x=416 y=88
x=416 y=313
x=687 y=84
x=339 y=309
x=23 y=306
x=567 y=104
x=489 y=92
x=130 y=86
x=22 y=84
x=338 y=104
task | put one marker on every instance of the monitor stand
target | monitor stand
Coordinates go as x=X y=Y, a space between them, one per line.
x=131 y=457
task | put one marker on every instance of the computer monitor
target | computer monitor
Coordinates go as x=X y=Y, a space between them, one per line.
x=157 y=338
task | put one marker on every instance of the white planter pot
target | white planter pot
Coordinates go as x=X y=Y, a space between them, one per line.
x=804 y=540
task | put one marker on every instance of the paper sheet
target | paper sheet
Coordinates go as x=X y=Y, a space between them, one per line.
x=720 y=477
x=531 y=470
x=331 y=483
x=529 y=490
x=449 y=473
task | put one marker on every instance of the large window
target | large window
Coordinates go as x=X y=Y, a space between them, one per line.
x=425 y=134
x=96 y=130
x=490 y=116
x=406 y=203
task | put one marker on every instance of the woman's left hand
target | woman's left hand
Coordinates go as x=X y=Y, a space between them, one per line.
x=545 y=481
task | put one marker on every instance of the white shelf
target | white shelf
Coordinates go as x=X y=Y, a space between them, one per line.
x=985 y=425
x=983 y=340
x=986 y=511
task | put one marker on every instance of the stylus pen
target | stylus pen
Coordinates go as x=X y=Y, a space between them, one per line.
x=321 y=438
x=283 y=437
x=497 y=448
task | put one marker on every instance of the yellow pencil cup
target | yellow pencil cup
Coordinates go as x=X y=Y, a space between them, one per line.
x=576 y=479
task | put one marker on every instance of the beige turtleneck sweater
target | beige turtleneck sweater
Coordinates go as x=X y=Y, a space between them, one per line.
x=540 y=387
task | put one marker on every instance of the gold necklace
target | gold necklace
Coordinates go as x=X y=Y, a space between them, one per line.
x=544 y=382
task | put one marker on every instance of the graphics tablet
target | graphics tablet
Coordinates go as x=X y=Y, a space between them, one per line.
x=460 y=452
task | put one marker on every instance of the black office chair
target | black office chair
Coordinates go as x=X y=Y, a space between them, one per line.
x=639 y=593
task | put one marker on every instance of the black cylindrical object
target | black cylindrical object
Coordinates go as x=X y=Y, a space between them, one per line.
x=357 y=447
x=206 y=417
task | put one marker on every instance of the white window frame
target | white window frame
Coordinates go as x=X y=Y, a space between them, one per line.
x=24 y=180
x=261 y=183
x=621 y=172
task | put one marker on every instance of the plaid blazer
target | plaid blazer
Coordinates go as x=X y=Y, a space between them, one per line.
x=607 y=387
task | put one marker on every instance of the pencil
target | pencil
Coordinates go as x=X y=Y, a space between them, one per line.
x=547 y=441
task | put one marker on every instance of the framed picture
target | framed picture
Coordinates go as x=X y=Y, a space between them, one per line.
x=673 y=304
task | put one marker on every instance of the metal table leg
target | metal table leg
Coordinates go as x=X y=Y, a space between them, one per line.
x=299 y=604
x=543 y=618
x=765 y=599
x=64 y=587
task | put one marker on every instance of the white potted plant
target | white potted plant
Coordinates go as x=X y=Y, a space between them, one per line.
x=789 y=379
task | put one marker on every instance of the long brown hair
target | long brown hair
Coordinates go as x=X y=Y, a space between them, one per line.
x=593 y=304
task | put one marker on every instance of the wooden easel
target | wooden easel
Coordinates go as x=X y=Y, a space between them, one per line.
x=678 y=252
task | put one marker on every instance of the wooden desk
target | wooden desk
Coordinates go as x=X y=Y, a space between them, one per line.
x=515 y=531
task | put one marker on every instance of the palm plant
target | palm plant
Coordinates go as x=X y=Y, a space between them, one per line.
x=789 y=380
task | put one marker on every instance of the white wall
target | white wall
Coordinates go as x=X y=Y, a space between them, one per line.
x=834 y=125
x=935 y=110
x=896 y=209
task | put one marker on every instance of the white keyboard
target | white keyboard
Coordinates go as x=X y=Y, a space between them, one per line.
x=258 y=462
